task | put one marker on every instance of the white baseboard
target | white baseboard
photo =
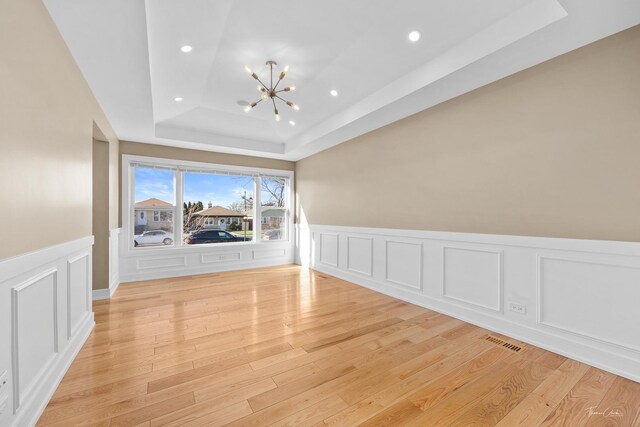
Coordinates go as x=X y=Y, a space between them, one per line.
x=45 y=318
x=568 y=286
x=100 y=294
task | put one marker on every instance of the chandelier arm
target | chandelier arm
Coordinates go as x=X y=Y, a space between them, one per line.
x=279 y=80
x=274 y=105
x=281 y=99
x=263 y=85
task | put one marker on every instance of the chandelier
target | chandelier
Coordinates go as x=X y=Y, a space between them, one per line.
x=271 y=91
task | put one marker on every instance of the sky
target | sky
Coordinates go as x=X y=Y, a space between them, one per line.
x=220 y=190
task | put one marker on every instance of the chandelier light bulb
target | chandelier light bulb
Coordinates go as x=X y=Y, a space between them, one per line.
x=296 y=107
x=247 y=108
x=277 y=117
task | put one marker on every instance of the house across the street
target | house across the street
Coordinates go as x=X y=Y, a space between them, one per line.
x=213 y=214
x=153 y=214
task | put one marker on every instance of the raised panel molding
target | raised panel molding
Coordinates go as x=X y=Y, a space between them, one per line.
x=360 y=255
x=329 y=249
x=78 y=296
x=594 y=300
x=473 y=276
x=153 y=263
x=45 y=318
x=403 y=263
x=34 y=331
x=580 y=295
x=220 y=257
x=273 y=253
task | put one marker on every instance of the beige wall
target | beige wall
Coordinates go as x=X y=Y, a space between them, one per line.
x=101 y=215
x=47 y=113
x=165 y=152
x=551 y=151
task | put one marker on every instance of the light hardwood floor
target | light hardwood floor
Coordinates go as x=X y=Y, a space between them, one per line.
x=289 y=346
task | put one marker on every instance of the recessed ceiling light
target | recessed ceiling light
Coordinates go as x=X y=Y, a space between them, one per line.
x=333 y=92
x=292 y=123
x=414 y=36
x=178 y=99
x=186 y=48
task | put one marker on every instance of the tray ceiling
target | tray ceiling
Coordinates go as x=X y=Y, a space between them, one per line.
x=129 y=52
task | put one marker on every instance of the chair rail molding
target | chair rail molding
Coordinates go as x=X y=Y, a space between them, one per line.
x=45 y=317
x=567 y=286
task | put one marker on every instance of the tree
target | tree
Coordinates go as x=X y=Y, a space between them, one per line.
x=244 y=204
x=190 y=221
x=275 y=188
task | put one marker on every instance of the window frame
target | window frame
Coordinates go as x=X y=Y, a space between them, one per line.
x=180 y=167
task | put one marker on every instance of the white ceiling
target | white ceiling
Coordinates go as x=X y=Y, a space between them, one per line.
x=129 y=52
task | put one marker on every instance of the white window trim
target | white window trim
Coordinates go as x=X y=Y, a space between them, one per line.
x=128 y=196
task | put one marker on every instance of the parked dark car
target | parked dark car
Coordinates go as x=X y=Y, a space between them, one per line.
x=213 y=236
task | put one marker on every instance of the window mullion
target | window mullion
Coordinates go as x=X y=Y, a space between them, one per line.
x=257 y=209
x=179 y=213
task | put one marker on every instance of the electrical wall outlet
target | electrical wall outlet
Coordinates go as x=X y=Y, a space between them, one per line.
x=4 y=384
x=518 y=308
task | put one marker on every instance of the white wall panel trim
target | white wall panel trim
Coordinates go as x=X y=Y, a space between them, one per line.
x=161 y=262
x=596 y=338
x=329 y=250
x=509 y=268
x=18 y=387
x=404 y=272
x=84 y=256
x=355 y=266
x=45 y=318
x=497 y=282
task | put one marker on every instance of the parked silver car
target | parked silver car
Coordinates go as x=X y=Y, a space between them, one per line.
x=153 y=237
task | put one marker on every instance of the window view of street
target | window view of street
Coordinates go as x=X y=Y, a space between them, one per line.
x=154 y=208
x=216 y=208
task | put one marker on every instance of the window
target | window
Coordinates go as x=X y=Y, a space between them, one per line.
x=179 y=204
x=154 y=205
x=273 y=207
x=210 y=199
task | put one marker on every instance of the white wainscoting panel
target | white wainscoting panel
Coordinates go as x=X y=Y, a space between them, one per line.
x=221 y=257
x=596 y=300
x=45 y=317
x=580 y=296
x=78 y=295
x=473 y=276
x=360 y=255
x=34 y=305
x=269 y=253
x=329 y=249
x=403 y=261
x=162 y=262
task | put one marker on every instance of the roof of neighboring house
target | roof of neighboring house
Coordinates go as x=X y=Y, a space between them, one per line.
x=151 y=203
x=218 y=211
